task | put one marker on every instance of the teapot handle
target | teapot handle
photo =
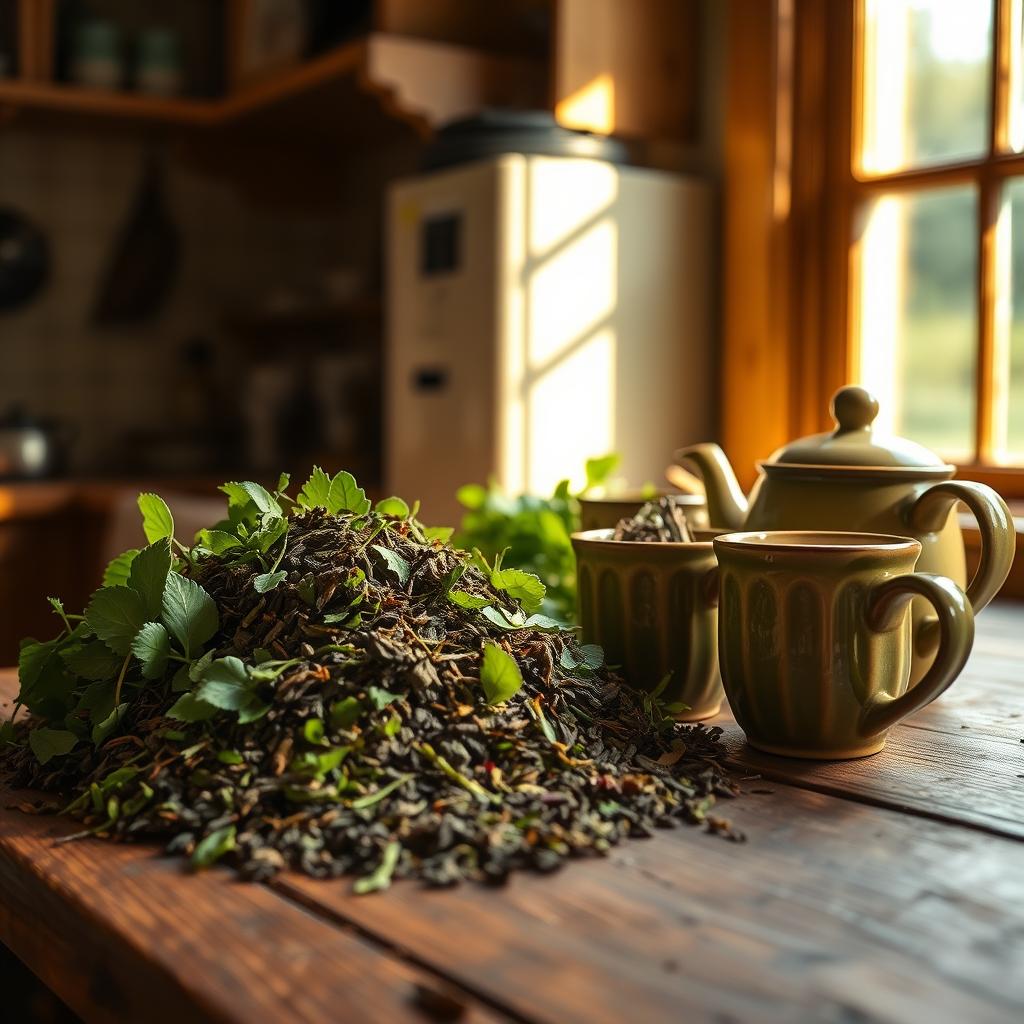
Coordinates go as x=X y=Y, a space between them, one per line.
x=930 y=511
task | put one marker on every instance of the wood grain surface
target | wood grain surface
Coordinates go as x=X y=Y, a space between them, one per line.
x=885 y=889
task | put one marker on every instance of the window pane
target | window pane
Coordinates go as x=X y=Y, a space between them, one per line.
x=1015 y=128
x=926 y=82
x=1013 y=209
x=918 y=315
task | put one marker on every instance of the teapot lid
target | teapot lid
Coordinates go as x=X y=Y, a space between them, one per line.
x=854 y=442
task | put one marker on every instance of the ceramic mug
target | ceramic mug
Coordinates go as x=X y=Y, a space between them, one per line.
x=653 y=608
x=815 y=642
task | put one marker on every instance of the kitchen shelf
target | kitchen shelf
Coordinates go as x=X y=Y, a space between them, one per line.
x=420 y=82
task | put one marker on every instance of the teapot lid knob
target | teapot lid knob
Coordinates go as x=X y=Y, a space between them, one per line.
x=853 y=408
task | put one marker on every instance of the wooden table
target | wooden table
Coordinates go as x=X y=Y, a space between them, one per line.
x=888 y=889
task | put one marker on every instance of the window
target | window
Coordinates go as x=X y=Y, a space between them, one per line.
x=933 y=197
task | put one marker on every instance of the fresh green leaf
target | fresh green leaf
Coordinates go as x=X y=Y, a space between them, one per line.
x=392 y=506
x=271 y=530
x=499 y=674
x=188 y=612
x=117 y=571
x=217 y=541
x=199 y=666
x=268 y=580
x=91 y=660
x=347 y=496
x=501 y=619
x=441 y=533
x=283 y=480
x=101 y=730
x=466 y=600
x=316 y=491
x=471 y=496
x=47 y=744
x=157 y=521
x=115 y=615
x=211 y=848
x=188 y=708
x=599 y=469
x=395 y=562
x=381 y=698
x=381 y=877
x=261 y=498
x=151 y=646
x=33 y=656
x=230 y=757
x=593 y=655
x=148 y=575
x=313 y=731
x=226 y=684
x=345 y=712
x=526 y=588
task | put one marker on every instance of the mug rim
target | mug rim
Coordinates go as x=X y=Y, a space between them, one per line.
x=631 y=496
x=603 y=538
x=825 y=541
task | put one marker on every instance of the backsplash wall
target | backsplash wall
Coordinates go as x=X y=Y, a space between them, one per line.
x=108 y=382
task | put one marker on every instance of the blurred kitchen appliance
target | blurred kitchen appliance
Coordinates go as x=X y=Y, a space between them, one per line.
x=542 y=310
x=31 y=447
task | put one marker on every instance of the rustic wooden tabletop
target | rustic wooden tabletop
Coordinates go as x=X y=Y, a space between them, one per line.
x=888 y=889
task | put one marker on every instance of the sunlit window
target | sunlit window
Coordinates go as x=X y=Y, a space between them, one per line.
x=938 y=222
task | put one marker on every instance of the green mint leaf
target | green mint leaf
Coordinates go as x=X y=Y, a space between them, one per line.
x=465 y=600
x=188 y=612
x=313 y=731
x=157 y=521
x=395 y=562
x=392 y=506
x=117 y=572
x=47 y=744
x=283 y=480
x=92 y=660
x=261 y=498
x=599 y=469
x=499 y=674
x=211 y=848
x=268 y=580
x=380 y=878
x=272 y=529
x=593 y=656
x=32 y=658
x=548 y=624
x=115 y=615
x=501 y=619
x=471 y=496
x=526 y=588
x=441 y=533
x=226 y=684
x=188 y=708
x=151 y=646
x=148 y=575
x=230 y=757
x=101 y=730
x=345 y=712
x=381 y=698
x=347 y=496
x=217 y=541
x=252 y=711
x=316 y=491
x=238 y=501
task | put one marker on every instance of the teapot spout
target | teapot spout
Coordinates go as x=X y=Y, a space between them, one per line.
x=727 y=504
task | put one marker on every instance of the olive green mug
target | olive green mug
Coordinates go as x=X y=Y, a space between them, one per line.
x=815 y=643
x=652 y=606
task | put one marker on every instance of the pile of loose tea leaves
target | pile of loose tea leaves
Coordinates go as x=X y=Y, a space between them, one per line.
x=661 y=520
x=322 y=685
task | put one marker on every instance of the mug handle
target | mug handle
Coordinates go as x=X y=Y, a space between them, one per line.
x=930 y=511
x=887 y=605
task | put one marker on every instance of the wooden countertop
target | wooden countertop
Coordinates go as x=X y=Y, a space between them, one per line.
x=885 y=889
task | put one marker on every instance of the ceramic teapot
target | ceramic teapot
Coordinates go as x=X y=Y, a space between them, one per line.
x=853 y=479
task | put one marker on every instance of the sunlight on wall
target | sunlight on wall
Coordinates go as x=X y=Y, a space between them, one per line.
x=882 y=287
x=559 y=366
x=591 y=107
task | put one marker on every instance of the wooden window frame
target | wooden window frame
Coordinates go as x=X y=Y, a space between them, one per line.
x=791 y=192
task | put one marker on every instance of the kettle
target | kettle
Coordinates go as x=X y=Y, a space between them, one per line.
x=853 y=479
